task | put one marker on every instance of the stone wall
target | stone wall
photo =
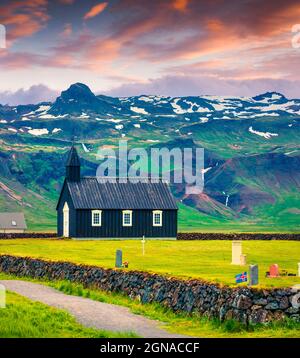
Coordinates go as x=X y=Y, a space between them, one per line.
x=243 y=304
x=180 y=236
x=28 y=235
x=241 y=236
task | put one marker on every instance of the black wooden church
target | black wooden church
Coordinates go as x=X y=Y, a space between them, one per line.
x=94 y=208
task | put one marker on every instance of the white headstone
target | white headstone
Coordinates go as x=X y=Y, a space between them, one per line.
x=236 y=252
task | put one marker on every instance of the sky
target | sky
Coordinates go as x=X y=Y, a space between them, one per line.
x=163 y=47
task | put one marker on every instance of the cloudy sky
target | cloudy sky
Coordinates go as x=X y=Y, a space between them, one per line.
x=130 y=47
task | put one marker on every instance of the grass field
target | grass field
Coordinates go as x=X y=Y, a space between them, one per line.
x=23 y=318
x=179 y=322
x=271 y=220
x=209 y=260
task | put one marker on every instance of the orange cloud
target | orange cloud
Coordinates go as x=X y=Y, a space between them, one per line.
x=180 y=5
x=95 y=10
x=241 y=43
x=24 y=18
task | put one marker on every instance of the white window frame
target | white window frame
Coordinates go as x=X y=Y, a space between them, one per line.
x=124 y=212
x=157 y=212
x=100 y=217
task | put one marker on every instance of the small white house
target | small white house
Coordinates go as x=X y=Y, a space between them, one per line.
x=12 y=223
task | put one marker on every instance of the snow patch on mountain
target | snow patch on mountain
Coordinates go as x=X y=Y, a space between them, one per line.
x=266 y=135
x=86 y=150
x=43 y=108
x=202 y=119
x=138 y=110
x=145 y=99
x=113 y=120
x=166 y=115
x=84 y=116
x=265 y=114
x=193 y=106
x=221 y=106
x=177 y=108
x=51 y=116
x=38 y=132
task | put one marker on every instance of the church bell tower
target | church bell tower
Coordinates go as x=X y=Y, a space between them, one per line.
x=73 y=166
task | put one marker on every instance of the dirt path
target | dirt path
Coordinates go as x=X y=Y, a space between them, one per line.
x=88 y=312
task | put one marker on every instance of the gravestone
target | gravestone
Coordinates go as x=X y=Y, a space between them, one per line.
x=243 y=260
x=274 y=270
x=119 y=258
x=236 y=252
x=2 y=296
x=253 y=269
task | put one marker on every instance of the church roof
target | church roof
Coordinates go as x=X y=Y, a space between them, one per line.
x=99 y=193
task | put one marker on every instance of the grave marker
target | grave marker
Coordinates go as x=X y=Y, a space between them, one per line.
x=236 y=252
x=243 y=260
x=143 y=245
x=253 y=270
x=274 y=270
x=119 y=259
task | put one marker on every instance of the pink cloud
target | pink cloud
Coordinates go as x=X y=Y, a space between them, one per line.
x=180 y=5
x=222 y=41
x=24 y=18
x=95 y=10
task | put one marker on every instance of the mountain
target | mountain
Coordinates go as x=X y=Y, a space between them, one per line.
x=79 y=98
x=252 y=152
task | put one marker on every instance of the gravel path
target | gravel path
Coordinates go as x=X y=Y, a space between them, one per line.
x=90 y=313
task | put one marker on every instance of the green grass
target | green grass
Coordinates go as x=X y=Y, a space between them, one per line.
x=23 y=318
x=277 y=218
x=209 y=260
x=179 y=322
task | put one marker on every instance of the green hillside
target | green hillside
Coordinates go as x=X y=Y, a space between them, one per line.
x=251 y=166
